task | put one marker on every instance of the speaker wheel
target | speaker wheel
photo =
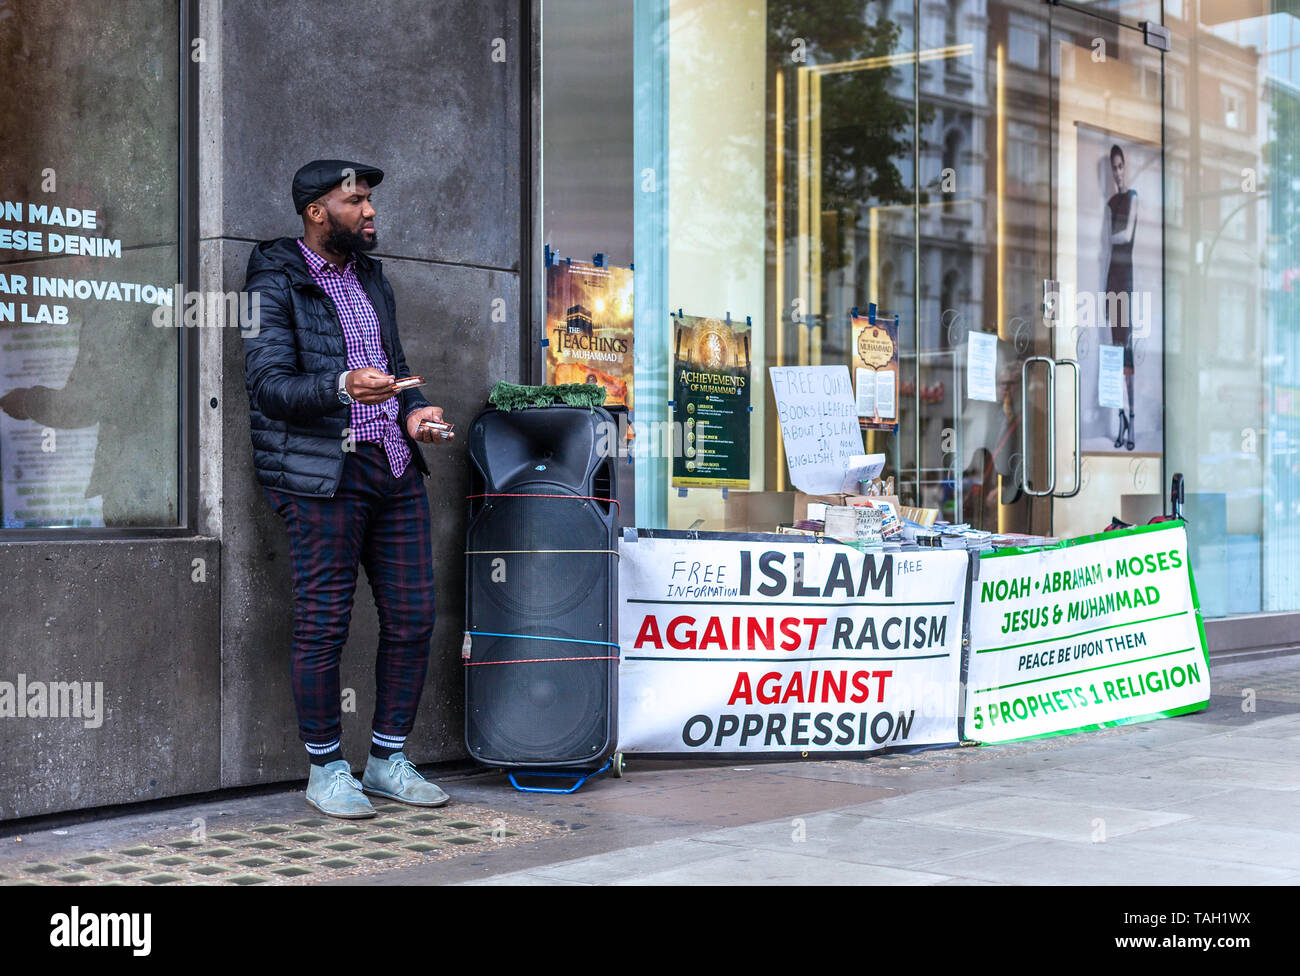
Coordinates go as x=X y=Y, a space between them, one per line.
x=619 y=765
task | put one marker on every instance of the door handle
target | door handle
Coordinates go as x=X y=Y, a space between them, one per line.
x=1078 y=453
x=1051 y=426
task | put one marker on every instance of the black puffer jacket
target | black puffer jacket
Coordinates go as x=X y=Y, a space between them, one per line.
x=292 y=360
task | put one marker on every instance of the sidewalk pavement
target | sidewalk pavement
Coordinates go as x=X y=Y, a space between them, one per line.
x=1203 y=799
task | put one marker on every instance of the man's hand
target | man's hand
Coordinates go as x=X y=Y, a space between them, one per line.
x=14 y=403
x=427 y=436
x=370 y=385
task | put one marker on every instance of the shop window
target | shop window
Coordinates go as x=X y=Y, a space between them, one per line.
x=785 y=132
x=90 y=251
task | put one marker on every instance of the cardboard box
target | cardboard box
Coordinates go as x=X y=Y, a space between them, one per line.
x=855 y=523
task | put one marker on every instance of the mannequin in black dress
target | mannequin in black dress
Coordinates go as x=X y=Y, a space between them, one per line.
x=1119 y=222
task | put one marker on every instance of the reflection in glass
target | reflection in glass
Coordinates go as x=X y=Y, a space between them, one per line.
x=88 y=384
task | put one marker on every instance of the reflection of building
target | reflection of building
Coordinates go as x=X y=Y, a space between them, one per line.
x=960 y=225
x=973 y=246
x=924 y=156
x=577 y=320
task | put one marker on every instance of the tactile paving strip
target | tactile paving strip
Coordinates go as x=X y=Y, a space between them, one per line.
x=308 y=850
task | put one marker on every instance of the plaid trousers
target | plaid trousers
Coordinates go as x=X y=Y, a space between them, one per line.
x=383 y=523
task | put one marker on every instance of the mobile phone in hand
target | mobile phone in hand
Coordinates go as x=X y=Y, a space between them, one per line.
x=439 y=428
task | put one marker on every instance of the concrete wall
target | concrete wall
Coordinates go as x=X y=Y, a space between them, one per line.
x=136 y=620
x=195 y=674
x=413 y=88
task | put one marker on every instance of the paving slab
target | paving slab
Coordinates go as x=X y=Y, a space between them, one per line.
x=1253 y=807
x=524 y=879
x=1270 y=767
x=746 y=867
x=1255 y=773
x=1050 y=862
x=633 y=862
x=1140 y=792
x=1275 y=727
x=1032 y=816
x=841 y=836
x=733 y=799
x=910 y=806
x=1241 y=744
x=1220 y=842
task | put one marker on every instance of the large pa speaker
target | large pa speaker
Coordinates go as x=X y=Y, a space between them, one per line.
x=541 y=679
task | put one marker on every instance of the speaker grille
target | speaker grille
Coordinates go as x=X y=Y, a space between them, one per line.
x=529 y=577
x=516 y=574
x=544 y=712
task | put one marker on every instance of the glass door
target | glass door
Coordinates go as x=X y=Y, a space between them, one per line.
x=1038 y=401
x=1104 y=304
x=979 y=409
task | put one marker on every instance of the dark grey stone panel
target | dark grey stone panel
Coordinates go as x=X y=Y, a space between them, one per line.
x=406 y=85
x=256 y=701
x=131 y=617
x=445 y=318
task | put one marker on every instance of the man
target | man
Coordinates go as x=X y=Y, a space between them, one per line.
x=334 y=447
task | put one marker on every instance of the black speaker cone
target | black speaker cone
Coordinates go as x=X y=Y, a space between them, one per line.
x=541 y=711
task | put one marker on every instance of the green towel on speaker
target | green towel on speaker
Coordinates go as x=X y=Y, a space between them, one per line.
x=512 y=396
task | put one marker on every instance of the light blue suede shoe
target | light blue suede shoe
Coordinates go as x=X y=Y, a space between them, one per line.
x=397 y=779
x=333 y=790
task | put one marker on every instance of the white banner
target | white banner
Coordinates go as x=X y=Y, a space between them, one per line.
x=1100 y=631
x=774 y=647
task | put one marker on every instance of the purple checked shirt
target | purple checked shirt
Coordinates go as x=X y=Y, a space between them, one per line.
x=370 y=421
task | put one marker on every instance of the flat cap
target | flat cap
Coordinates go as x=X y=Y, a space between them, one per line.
x=318 y=177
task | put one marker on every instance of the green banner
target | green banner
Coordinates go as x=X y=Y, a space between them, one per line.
x=1089 y=633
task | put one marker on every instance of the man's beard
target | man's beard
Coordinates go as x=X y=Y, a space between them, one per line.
x=340 y=240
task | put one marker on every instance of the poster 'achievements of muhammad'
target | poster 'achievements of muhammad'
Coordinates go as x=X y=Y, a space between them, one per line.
x=589 y=327
x=711 y=368
x=875 y=370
